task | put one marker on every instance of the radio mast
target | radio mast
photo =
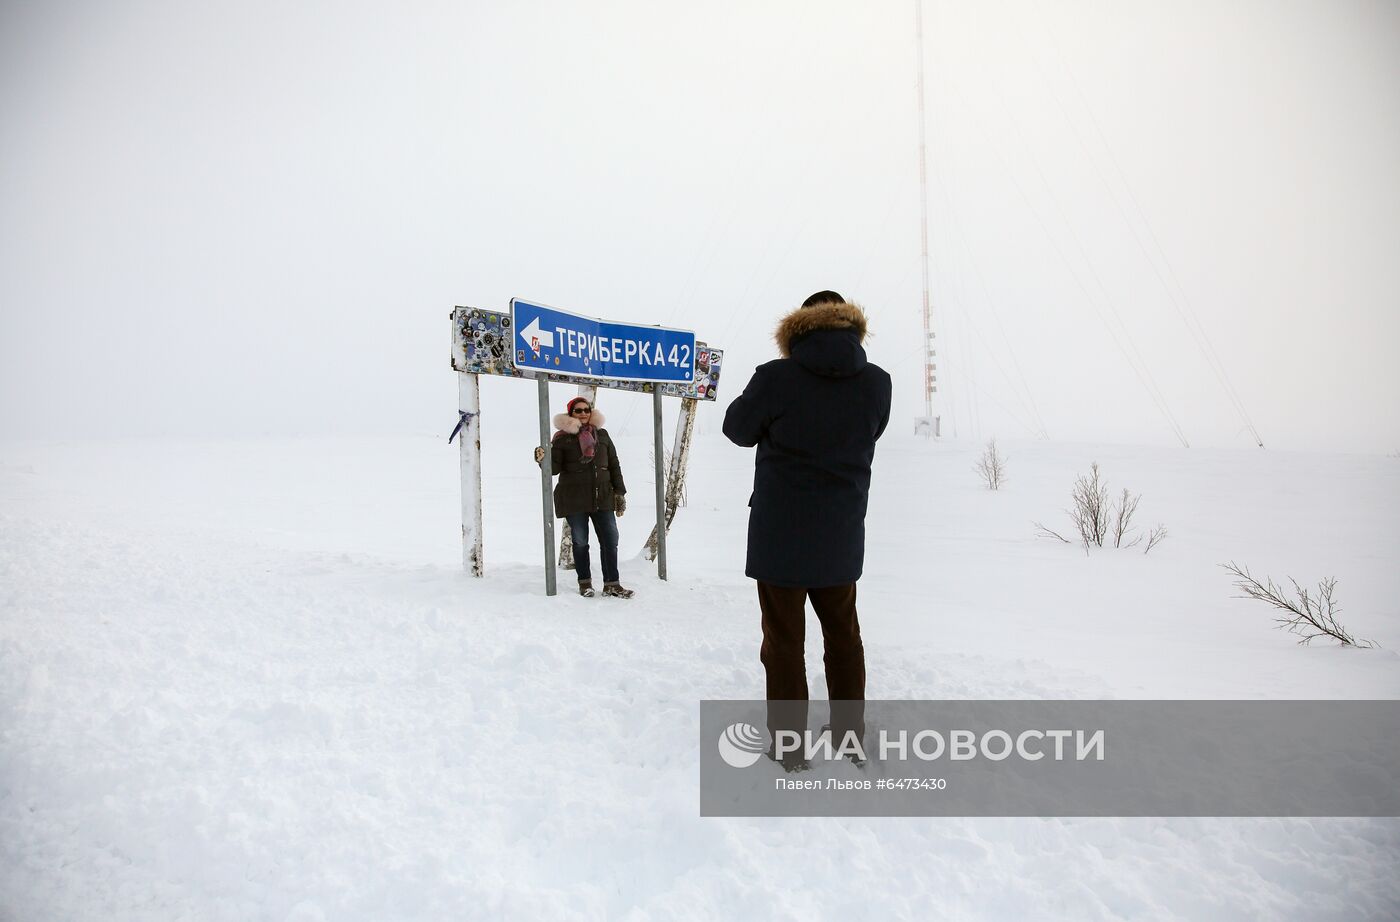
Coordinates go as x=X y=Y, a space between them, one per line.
x=928 y=424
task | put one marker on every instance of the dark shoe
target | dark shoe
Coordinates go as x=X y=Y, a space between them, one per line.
x=792 y=762
x=585 y=588
x=616 y=591
x=836 y=746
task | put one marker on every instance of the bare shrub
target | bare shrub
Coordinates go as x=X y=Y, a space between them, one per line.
x=1308 y=615
x=1090 y=510
x=675 y=481
x=1095 y=517
x=992 y=466
x=1123 y=518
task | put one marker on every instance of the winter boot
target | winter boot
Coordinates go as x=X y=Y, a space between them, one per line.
x=585 y=588
x=854 y=759
x=792 y=762
x=616 y=591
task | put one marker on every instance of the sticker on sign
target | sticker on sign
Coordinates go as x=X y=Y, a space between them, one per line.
x=562 y=342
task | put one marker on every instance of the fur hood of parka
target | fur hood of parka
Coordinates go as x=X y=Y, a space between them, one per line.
x=564 y=424
x=825 y=339
x=806 y=320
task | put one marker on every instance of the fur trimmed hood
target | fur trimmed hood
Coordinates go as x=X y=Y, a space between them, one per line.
x=806 y=320
x=564 y=423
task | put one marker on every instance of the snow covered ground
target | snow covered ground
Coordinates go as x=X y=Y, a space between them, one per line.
x=249 y=680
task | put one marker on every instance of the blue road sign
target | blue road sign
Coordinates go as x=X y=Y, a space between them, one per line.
x=558 y=342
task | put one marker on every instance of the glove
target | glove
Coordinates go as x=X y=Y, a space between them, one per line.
x=539 y=454
x=620 y=504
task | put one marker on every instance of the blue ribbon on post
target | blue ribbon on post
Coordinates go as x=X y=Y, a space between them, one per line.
x=464 y=419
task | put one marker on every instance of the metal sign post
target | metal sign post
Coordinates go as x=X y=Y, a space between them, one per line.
x=546 y=491
x=660 y=483
x=469 y=421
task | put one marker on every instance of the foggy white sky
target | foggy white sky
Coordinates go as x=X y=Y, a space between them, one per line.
x=255 y=217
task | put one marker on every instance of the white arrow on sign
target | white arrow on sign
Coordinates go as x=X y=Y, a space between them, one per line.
x=536 y=338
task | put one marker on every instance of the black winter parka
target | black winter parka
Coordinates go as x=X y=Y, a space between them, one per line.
x=815 y=415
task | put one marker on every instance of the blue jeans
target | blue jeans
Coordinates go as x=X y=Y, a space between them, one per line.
x=605 y=524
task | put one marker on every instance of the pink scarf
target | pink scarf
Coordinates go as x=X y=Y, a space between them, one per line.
x=588 y=441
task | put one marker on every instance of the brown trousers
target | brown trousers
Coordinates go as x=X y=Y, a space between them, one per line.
x=784 y=658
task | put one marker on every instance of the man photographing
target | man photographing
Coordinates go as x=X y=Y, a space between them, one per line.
x=815 y=414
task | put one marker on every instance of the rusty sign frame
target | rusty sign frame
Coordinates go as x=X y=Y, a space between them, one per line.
x=482 y=343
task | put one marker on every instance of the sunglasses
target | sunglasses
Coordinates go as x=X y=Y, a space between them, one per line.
x=579 y=411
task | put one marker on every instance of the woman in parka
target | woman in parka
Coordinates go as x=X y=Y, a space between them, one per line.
x=590 y=486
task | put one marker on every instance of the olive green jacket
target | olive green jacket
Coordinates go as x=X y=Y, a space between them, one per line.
x=584 y=486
